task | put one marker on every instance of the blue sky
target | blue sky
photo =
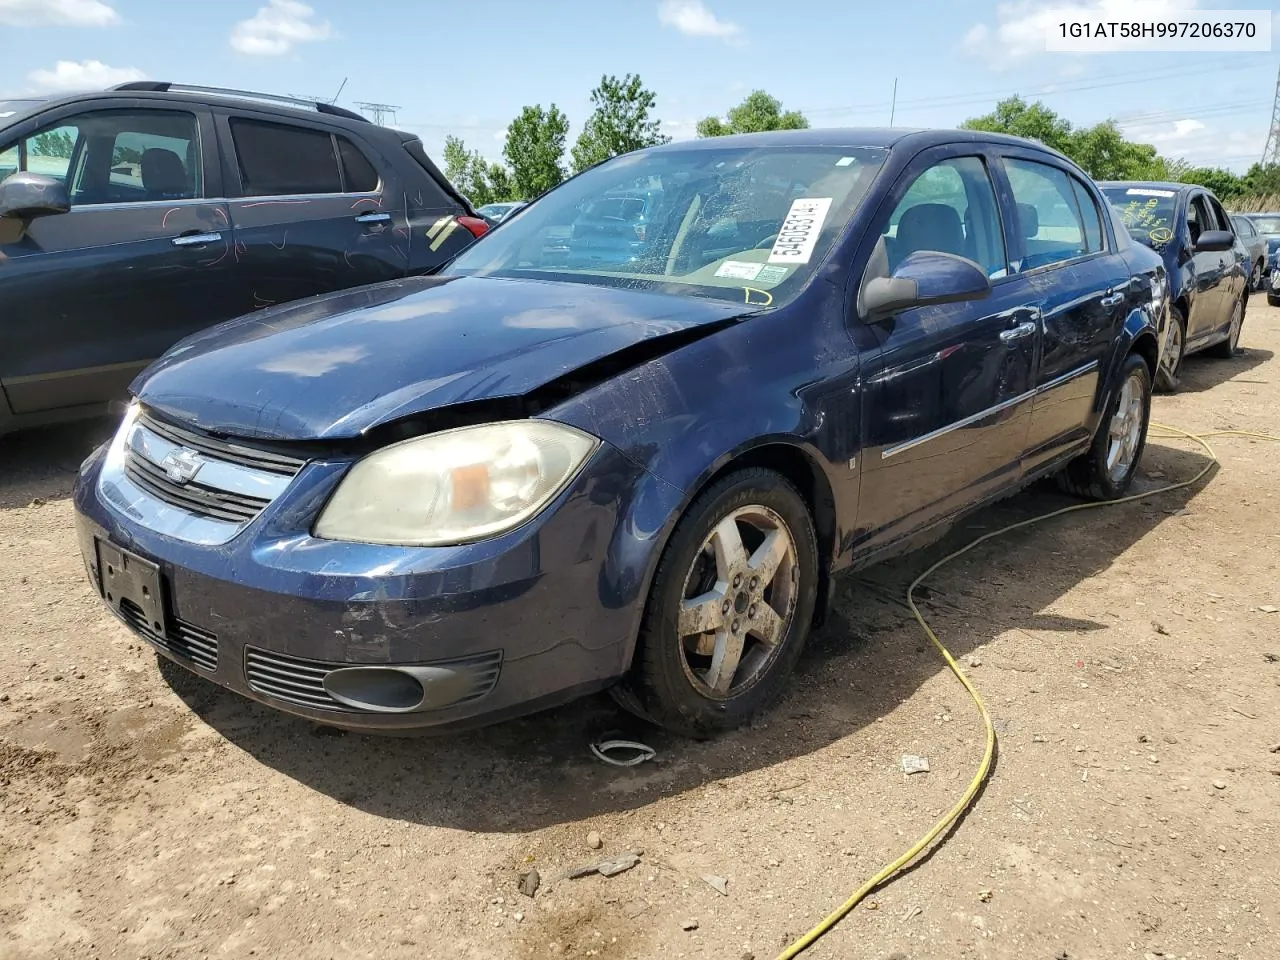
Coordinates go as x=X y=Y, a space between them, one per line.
x=469 y=68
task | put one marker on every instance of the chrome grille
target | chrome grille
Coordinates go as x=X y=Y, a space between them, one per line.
x=194 y=497
x=225 y=450
x=184 y=641
x=300 y=681
x=228 y=481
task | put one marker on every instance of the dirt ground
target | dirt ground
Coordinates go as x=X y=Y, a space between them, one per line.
x=1133 y=810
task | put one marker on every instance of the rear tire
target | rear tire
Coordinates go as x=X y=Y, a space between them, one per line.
x=746 y=549
x=1227 y=348
x=1106 y=470
x=1174 y=351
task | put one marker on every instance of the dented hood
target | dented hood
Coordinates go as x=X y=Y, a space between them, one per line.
x=336 y=366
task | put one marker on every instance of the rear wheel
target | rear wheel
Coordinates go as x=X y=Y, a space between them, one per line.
x=1171 y=357
x=730 y=607
x=1105 y=472
x=1227 y=348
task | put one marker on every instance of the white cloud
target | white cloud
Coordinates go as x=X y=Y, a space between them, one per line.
x=694 y=19
x=277 y=28
x=1022 y=26
x=680 y=129
x=1198 y=143
x=57 y=13
x=83 y=75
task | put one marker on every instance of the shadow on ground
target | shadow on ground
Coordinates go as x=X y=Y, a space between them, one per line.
x=1202 y=372
x=537 y=771
x=42 y=464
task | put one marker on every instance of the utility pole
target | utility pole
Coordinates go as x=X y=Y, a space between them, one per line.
x=1271 y=152
x=379 y=111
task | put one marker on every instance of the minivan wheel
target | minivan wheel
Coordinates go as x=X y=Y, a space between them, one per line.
x=730 y=608
x=1174 y=347
x=1106 y=471
x=1226 y=349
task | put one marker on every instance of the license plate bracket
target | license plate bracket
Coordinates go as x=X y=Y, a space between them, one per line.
x=127 y=577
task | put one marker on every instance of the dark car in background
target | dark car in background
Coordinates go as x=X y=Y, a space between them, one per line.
x=612 y=229
x=1268 y=227
x=134 y=216
x=441 y=501
x=1208 y=266
x=1255 y=245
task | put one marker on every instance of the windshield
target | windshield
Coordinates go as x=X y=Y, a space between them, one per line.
x=1267 y=225
x=1147 y=213
x=742 y=224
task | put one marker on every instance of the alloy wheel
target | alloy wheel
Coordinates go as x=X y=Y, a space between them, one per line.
x=1125 y=432
x=1171 y=362
x=739 y=602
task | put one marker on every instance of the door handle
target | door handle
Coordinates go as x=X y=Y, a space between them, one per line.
x=1018 y=332
x=196 y=239
x=1112 y=299
x=373 y=218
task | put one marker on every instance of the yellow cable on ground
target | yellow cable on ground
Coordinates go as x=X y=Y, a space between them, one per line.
x=988 y=753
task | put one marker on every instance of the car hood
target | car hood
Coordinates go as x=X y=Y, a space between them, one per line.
x=336 y=366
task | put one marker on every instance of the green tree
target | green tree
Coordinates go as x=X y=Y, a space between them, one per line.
x=54 y=143
x=1224 y=184
x=1105 y=154
x=619 y=123
x=1261 y=180
x=479 y=180
x=535 y=150
x=1017 y=118
x=757 y=113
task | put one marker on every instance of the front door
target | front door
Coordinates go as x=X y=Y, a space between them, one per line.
x=948 y=394
x=1208 y=272
x=140 y=261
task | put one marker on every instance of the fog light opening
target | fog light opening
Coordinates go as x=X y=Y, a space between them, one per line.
x=377 y=689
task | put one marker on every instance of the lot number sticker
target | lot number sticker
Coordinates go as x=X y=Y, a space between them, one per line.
x=799 y=233
x=1144 y=192
x=739 y=270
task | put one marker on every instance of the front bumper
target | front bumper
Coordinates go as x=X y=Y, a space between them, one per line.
x=490 y=630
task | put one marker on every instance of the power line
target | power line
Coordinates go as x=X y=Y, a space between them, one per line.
x=379 y=111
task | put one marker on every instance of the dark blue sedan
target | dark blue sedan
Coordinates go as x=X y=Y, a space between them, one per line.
x=447 y=500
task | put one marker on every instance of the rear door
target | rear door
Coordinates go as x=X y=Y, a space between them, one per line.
x=316 y=209
x=1060 y=248
x=948 y=395
x=142 y=259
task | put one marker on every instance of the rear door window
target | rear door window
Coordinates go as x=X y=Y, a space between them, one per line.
x=358 y=174
x=1047 y=214
x=1091 y=216
x=279 y=160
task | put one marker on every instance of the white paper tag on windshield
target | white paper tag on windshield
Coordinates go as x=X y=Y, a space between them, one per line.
x=739 y=270
x=7 y=113
x=1144 y=192
x=799 y=233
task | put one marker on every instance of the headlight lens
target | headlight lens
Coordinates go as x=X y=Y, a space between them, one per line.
x=457 y=486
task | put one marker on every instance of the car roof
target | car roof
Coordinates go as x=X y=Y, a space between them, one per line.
x=854 y=137
x=1153 y=185
x=203 y=96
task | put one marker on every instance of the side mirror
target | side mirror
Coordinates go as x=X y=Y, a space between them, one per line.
x=925 y=278
x=1215 y=241
x=25 y=196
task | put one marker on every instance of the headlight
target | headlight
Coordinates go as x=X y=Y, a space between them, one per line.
x=456 y=486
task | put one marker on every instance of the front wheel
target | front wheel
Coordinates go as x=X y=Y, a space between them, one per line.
x=1107 y=469
x=730 y=608
x=1257 y=279
x=1171 y=358
x=1226 y=349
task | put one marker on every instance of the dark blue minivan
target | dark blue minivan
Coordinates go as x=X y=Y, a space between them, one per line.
x=446 y=500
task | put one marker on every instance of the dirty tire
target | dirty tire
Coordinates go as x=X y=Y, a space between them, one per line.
x=1174 y=351
x=661 y=686
x=1227 y=348
x=1088 y=475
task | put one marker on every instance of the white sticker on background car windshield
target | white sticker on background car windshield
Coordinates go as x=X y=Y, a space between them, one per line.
x=7 y=113
x=799 y=233
x=845 y=161
x=769 y=273
x=739 y=270
x=1144 y=192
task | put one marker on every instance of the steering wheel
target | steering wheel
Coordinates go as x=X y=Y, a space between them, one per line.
x=766 y=242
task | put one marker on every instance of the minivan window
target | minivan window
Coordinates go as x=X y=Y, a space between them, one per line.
x=119 y=156
x=358 y=174
x=743 y=224
x=279 y=160
x=1047 y=214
